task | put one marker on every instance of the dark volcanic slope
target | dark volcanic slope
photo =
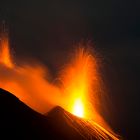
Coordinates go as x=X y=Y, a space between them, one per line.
x=18 y=121
x=68 y=124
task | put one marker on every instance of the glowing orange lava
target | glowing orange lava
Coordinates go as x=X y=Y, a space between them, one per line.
x=79 y=80
x=78 y=108
x=5 y=56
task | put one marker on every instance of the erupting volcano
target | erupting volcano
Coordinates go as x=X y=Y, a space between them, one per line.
x=77 y=91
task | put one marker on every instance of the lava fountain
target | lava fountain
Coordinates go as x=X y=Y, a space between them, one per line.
x=79 y=82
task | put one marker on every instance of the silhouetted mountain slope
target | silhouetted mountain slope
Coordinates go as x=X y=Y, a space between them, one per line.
x=18 y=121
x=68 y=124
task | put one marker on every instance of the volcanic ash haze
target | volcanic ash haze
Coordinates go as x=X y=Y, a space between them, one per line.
x=79 y=82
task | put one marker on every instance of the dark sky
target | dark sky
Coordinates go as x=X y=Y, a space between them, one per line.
x=47 y=30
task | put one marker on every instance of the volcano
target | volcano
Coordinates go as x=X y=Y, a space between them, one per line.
x=18 y=121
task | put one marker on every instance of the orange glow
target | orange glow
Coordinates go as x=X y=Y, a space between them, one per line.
x=78 y=84
x=78 y=108
x=5 y=56
x=80 y=81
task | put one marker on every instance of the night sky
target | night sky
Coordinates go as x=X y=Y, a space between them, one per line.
x=47 y=30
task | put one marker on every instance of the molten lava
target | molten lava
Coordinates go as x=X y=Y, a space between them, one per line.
x=5 y=56
x=80 y=83
x=78 y=108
